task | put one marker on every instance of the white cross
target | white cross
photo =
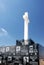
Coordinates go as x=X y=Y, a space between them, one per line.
x=26 y=21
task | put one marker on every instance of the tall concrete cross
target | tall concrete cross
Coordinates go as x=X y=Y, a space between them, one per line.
x=26 y=21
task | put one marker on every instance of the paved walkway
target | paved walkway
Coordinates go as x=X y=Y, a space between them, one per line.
x=41 y=61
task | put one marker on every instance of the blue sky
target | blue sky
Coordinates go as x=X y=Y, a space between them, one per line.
x=12 y=23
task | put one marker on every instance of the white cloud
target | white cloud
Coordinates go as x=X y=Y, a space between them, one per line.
x=3 y=32
x=5 y=38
